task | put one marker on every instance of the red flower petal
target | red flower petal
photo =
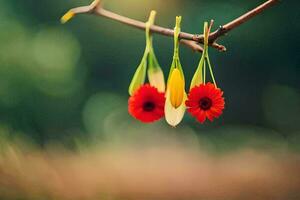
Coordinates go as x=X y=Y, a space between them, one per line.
x=205 y=101
x=147 y=104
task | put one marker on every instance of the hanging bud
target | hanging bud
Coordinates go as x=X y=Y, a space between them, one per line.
x=176 y=95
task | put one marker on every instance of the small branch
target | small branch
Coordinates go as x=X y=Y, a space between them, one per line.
x=96 y=9
x=192 y=44
x=240 y=20
x=100 y=11
x=191 y=40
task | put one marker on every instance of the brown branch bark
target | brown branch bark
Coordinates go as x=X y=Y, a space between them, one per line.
x=191 y=40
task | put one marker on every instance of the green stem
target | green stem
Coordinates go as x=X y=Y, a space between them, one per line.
x=205 y=53
x=205 y=50
x=177 y=31
x=148 y=38
x=149 y=23
x=211 y=71
x=204 y=73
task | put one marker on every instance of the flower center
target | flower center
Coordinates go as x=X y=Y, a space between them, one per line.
x=205 y=103
x=148 y=106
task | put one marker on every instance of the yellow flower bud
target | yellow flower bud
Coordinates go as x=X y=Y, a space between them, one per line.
x=176 y=88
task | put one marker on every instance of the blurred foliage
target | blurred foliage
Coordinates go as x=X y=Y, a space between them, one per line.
x=68 y=83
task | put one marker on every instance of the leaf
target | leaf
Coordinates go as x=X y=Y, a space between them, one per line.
x=155 y=73
x=198 y=76
x=138 y=78
x=156 y=79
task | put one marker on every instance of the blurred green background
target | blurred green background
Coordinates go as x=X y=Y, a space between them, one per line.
x=60 y=83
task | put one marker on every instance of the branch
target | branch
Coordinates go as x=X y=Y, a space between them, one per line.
x=191 y=40
x=240 y=20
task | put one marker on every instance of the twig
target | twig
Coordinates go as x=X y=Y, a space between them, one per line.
x=191 y=40
x=192 y=44
x=240 y=20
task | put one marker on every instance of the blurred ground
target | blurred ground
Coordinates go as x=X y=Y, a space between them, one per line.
x=161 y=168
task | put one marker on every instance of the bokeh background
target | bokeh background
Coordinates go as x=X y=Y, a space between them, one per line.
x=67 y=84
x=58 y=81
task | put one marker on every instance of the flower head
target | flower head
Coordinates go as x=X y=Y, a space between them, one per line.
x=205 y=101
x=147 y=104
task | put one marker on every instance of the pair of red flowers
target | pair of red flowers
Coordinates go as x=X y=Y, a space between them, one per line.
x=204 y=102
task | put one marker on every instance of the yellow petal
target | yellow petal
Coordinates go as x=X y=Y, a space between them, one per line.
x=176 y=88
x=69 y=15
x=174 y=115
x=156 y=79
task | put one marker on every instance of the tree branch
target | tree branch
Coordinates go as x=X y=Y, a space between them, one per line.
x=191 y=40
x=240 y=20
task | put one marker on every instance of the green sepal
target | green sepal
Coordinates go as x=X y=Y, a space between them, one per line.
x=139 y=77
x=198 y=76
x=155 y=73
x=153 y=65
x=152 y=60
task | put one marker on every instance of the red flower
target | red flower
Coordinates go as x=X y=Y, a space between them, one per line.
x=205 y=101
x=147 y=104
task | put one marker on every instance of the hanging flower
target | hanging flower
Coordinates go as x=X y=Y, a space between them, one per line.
x=175 y=95
x=205 y=101
x=147 y=104
x=149 y=60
